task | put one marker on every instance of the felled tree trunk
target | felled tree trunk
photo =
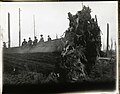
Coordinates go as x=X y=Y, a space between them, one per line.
x=83 y=42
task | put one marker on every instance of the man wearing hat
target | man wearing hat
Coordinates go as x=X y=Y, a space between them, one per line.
x=49 y=39
x=35 y=41
x=41 y=39
x=24 y=43
x=30 y=42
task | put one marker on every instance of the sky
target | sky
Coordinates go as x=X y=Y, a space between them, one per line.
x=51 y=18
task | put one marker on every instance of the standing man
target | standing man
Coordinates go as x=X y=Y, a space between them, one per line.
x=41 y=39
x=24 y=43
x=35 y=41
x=30 y=42
x=49 y=39
x=4 y=45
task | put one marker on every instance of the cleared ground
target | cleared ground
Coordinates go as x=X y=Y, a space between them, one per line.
x=36 y=68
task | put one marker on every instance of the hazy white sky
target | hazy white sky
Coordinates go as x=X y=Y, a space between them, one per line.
x=51 y=18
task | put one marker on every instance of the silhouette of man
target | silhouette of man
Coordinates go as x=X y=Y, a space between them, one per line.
x=41 y=39
x=35 y=41
x=24 y=43
x=49 y=39
x=4 y=45
x=30 y=42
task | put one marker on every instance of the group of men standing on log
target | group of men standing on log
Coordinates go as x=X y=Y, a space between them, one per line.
x=33 y=43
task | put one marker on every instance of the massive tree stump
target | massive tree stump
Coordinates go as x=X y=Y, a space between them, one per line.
x=82 y=47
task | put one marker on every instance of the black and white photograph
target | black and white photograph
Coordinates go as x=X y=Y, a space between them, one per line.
x=59 y=47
